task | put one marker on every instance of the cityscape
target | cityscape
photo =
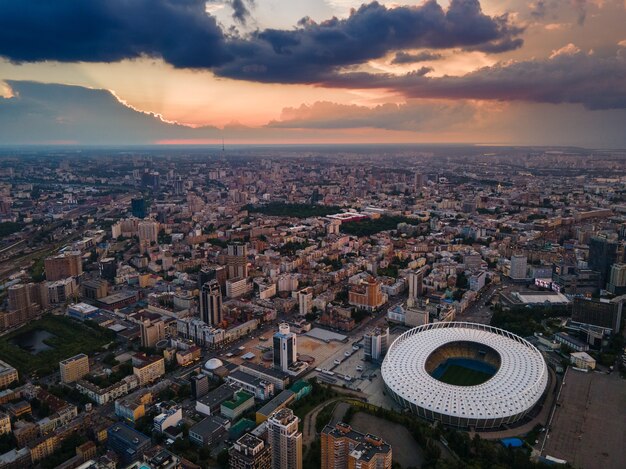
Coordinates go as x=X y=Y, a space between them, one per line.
x=313 y=234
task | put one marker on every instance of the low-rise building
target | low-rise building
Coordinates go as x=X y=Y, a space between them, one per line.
x=8 y=375
x=238 y=405
x=209 y=430
x=582 y=360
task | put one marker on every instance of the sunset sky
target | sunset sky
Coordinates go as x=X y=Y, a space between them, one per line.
x=315 y=71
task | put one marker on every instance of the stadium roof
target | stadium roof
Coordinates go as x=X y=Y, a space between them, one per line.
x=516 y=386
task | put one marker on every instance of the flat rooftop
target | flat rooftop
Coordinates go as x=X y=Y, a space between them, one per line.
x=588 y=426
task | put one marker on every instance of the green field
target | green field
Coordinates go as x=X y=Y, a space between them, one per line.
x=462 y=376
x=70 y=338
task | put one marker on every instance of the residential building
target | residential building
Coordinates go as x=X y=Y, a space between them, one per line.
x=5 y=423
x=345 y=448
x=305 y=301
x=285 y=440
x=62 y=266
x=74 y=368
x=8 y=375
x=367 y=294
x=148 y=369
x=250 y=452
x=152 y=332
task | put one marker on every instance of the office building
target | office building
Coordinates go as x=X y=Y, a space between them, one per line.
x=138 y=207
x=94 y=289
x=603 y=253
x=209 y=431
x=285 y=440
x=108 y=268
x=599 y=312
x=344 y=448
x=199 y=385
x=127 y=443
x=285 y=349
x=8 y=374
x=68 y=264
x=237 y=261
x=74 y=368
x=211 y=303
x=617 y=279
x=519 y=266
x=152 y=332
x=375 y=344
x=250 y=452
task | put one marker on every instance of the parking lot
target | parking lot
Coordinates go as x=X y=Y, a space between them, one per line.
x=367 y=378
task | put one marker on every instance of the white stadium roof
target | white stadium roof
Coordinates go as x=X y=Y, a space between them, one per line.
x=514 y=389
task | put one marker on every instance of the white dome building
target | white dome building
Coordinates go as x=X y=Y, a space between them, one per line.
x=213 y=364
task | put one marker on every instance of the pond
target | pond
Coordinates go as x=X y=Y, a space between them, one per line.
x=33 y=341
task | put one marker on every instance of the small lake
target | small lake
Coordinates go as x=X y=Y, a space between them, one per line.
x=33 y=341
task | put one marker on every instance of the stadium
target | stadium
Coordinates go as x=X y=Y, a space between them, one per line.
x=464 y=374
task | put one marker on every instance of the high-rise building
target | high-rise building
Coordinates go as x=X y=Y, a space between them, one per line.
x=519 y=266
x=199 y=385
x=285 y=440
x=617 y=279
x=285 y=350
x=108 y=268
x=416 y=285
x=250 y=452
x=603 y=253
x=152 y=332
x=211 y=303
x=375 y=344
x=344 y=448
x=305 y=301
x=74 y=368
x=237 y=261
x=138 y=207
x=64 y=265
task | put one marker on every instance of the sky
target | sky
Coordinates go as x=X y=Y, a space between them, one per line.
x=515 y=72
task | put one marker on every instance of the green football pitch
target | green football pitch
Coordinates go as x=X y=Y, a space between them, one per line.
x=461 y=376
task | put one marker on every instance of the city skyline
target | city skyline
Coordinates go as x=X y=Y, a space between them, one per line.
x=195 y=72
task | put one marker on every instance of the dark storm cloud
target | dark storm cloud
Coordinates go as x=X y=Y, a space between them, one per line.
x=309 y=53
x=184 y=35
x=579 y=78
x=407 y=58
x=240 y=10
x=179 y=31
